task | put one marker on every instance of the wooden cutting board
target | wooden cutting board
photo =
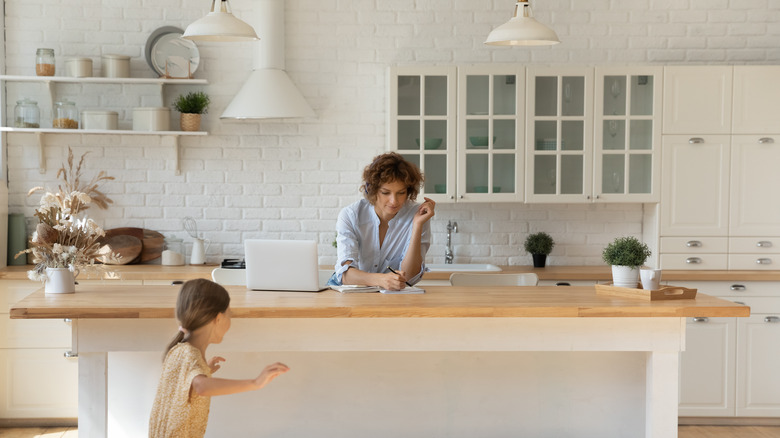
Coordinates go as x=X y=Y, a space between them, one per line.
x=151 y=242
x=129 y=247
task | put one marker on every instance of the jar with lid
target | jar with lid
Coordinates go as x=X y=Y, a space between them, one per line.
x=66 y=115
x=44 y=62
x=173 y=252
x=27 y=114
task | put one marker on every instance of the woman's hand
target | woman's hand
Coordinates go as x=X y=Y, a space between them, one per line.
x=269 y=373
x=392 y=281
x=425 y=212
x=214 y=363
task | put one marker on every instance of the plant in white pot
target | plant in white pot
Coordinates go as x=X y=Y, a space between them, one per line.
x=626 y=255
x=191 y=106
x=539 y=245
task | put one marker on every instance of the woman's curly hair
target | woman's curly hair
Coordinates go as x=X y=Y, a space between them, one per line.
x=387 y=168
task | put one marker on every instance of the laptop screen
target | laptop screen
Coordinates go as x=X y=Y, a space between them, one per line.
x=288 y=265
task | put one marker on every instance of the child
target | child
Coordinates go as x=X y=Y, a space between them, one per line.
x=181 y=407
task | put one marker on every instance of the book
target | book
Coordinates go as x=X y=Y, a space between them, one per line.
x=350 y=288
x=406 y=290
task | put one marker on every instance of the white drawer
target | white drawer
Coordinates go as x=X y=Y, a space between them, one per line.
x=759 y=305
x=35 y=333
x=763 y=262
x=691 y=245
x=734 y=289
x=754 y=245
x=694 y=261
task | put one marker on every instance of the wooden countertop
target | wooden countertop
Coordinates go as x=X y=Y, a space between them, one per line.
x=587 y=273
x=127 y=301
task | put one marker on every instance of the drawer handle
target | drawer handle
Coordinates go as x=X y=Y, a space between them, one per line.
x=693 y=260
x=763 y=261
x=696 y=140
x=772 y=319
x=562 y=283
x=764 y=244
x=742 y=303
x=701 y=319
x=738 y=287
x=68 y=320
x=176 y=282
x=70 y=354
x=766 y=140
x=693 y=244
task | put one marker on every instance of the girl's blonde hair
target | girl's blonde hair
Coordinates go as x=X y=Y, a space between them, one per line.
x=199 y=302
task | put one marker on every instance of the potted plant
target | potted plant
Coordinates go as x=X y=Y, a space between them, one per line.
x=539 y=245
x=626 y=255
x=191 y=106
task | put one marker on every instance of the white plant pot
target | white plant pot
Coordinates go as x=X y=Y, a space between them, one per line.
x=59 y=281
x=625 y=276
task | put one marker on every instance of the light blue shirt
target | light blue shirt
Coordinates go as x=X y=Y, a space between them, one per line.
x=358 y=240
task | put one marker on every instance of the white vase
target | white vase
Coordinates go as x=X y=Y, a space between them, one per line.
x=625 y=276
x=59 y=281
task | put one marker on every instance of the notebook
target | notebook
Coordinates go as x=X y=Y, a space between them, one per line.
x=286 y=265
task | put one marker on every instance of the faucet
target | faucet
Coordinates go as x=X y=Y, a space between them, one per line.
x=448 y=254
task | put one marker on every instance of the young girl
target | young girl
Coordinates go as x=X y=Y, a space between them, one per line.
x=181 y=407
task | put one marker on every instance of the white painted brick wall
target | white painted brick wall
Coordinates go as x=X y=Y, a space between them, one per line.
x=288 y=179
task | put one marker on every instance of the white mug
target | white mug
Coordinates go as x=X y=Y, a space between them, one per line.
x=651 y=278
x=198 y=256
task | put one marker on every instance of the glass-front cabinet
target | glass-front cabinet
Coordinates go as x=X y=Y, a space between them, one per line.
x=627 y=134
x=559 y=138
x=422 y=124
x=490 y=133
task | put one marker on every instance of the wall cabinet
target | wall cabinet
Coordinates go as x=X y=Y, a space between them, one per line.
x=729 y=367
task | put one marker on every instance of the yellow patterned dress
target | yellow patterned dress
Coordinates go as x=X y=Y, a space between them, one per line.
x=176 y=412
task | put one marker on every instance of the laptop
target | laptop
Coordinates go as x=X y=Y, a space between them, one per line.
x=285 y=265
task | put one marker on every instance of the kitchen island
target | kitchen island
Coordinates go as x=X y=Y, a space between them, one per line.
x=455 y=361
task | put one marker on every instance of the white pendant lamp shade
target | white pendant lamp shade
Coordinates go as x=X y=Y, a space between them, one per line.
x=220 y=25
x=522 y=30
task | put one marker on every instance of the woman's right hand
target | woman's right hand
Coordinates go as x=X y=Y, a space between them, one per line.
x=391 y=281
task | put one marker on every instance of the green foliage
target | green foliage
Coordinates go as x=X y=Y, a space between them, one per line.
x=626 y=251
x=192 y=103
x=539 y=243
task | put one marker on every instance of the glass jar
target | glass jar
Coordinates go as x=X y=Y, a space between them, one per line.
x=27 y=114
x=66 y=115
x=44 y=62
x=173 y=252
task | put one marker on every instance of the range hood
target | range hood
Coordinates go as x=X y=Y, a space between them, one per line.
x=268 y=93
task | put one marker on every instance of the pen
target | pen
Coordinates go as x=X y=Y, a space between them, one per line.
x=393 y=271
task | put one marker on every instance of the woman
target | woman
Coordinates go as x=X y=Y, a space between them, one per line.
x=386 y=231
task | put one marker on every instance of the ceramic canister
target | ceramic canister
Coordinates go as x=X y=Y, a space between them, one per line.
x=78 y=67
x=151 y=119
x=116 y=66
x=99 y=119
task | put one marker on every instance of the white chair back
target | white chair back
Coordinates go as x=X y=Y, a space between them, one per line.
x=471 y=279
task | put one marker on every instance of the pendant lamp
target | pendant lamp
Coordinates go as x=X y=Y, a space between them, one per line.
x=522 y=30
x=220 y=25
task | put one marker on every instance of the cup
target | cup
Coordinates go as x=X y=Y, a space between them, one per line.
x=651 y=278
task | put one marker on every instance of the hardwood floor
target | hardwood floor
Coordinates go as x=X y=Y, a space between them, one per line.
x=683 y=432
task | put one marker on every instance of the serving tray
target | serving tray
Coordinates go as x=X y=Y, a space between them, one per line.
x=664 y=293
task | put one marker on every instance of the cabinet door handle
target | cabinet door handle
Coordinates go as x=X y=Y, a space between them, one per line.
x=738 y=287
x=772 y=319
x=766 y=140
x=176 y=282
x=67 y=320
x=693 y=260
x=740 y=303
x=696 y=140
x=764 y=244
x=70 y=354
x=693 y=244
x=701 y=319
x=452 y=197
x=763 y=261
x=562 y=283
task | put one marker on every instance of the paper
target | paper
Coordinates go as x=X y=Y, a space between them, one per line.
x=406 y=290
x=349 y=288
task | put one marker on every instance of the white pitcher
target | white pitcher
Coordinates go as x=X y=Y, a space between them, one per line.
x=199 y=247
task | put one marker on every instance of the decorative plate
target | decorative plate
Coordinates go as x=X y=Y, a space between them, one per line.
x=170 y=55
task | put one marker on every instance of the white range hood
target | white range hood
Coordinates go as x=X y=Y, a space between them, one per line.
x=268 y=93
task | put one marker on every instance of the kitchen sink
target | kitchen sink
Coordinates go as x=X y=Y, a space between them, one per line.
x=463 y=267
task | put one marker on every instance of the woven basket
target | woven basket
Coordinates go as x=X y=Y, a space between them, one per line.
x=190 y=122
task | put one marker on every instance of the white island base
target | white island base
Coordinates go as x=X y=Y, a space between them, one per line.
x=402 y=377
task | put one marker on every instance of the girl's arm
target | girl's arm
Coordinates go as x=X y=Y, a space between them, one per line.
x=208 y=386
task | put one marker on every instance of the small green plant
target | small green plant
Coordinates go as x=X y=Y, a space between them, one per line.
x=194 y=102
x=539 y=243
x=626 y=251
